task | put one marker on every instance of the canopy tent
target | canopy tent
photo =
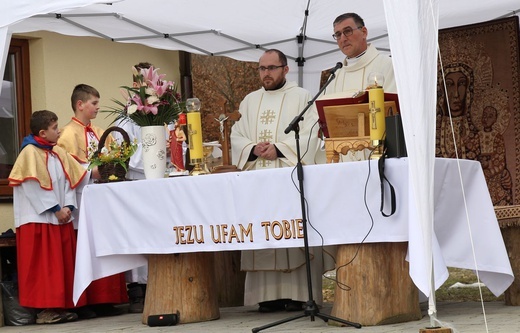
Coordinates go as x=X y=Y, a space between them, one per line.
x=302 y=29
x=238 y=29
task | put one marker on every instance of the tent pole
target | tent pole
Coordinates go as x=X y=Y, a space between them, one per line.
x=301 y=43
x=432 y=302
x=300 y=60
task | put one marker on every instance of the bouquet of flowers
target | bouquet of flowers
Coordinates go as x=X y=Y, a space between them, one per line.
x=152 y=101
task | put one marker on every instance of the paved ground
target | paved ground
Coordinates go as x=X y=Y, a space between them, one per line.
x=464 y=317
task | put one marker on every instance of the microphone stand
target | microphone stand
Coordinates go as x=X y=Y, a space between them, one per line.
x=311 y=309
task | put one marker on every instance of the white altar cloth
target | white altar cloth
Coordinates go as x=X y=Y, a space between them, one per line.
x=119 y=222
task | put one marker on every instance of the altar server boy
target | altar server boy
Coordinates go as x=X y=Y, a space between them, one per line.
x=77 y=135
x=44 y=178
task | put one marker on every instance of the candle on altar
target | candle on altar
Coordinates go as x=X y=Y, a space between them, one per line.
x=376 y=104
x=194 y=130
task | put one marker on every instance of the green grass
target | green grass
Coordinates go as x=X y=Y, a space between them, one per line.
x=444 y=293
x=328 y=290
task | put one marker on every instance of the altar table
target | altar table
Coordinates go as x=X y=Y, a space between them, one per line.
x=122 y=222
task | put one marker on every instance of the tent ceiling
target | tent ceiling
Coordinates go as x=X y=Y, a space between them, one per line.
x=242 y=29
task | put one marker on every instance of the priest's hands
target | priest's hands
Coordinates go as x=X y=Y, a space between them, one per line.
x=265 y=150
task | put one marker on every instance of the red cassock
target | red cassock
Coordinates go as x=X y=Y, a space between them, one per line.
x=46 y=261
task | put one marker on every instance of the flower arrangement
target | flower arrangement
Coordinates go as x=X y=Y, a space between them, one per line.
x=116 y=155
x=152 y=101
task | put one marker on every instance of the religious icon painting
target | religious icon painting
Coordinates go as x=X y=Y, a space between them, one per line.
x=478 y=102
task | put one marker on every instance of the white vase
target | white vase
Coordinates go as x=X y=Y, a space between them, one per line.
x=153 y=140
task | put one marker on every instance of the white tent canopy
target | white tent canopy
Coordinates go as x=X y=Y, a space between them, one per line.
x=241 y=29
x=235 y=28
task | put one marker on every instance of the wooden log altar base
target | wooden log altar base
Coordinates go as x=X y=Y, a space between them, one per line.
x=381 y=290
x=511 y=236
x=435 y=330
x=182 y=283
x=509 y=221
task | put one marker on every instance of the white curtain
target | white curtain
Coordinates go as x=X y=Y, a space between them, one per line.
x=5 y=38
x=413 y=34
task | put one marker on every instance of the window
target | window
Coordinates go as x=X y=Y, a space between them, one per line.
x=15 y=109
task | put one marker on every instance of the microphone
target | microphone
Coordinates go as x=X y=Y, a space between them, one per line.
x=333 y=70
x=293 y=125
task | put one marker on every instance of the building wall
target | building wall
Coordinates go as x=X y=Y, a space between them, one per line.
x=7 y=217
x=59 y=62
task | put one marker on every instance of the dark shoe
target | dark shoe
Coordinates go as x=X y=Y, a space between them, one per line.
x=106 y=310
x=84 y=312
x=266 y=309
x=136 y=307
x=50 y=316
x=136 y=297
x=294 y=306
x=273 y=306
x=70 y=316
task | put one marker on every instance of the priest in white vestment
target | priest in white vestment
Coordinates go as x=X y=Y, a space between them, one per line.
x=361 y=59
x=276 y=279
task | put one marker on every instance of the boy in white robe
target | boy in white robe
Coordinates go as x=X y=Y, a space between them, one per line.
x=44 y=178
x=77 y=135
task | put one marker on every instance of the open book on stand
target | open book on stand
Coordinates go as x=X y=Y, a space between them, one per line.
x=331 y=112
x=341 y=116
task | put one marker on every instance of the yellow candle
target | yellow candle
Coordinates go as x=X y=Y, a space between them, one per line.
x=376 y=103
x=195 y=136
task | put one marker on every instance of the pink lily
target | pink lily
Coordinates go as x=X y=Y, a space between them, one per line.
x=142 y=107
x=161 y=87
x=151 y=75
